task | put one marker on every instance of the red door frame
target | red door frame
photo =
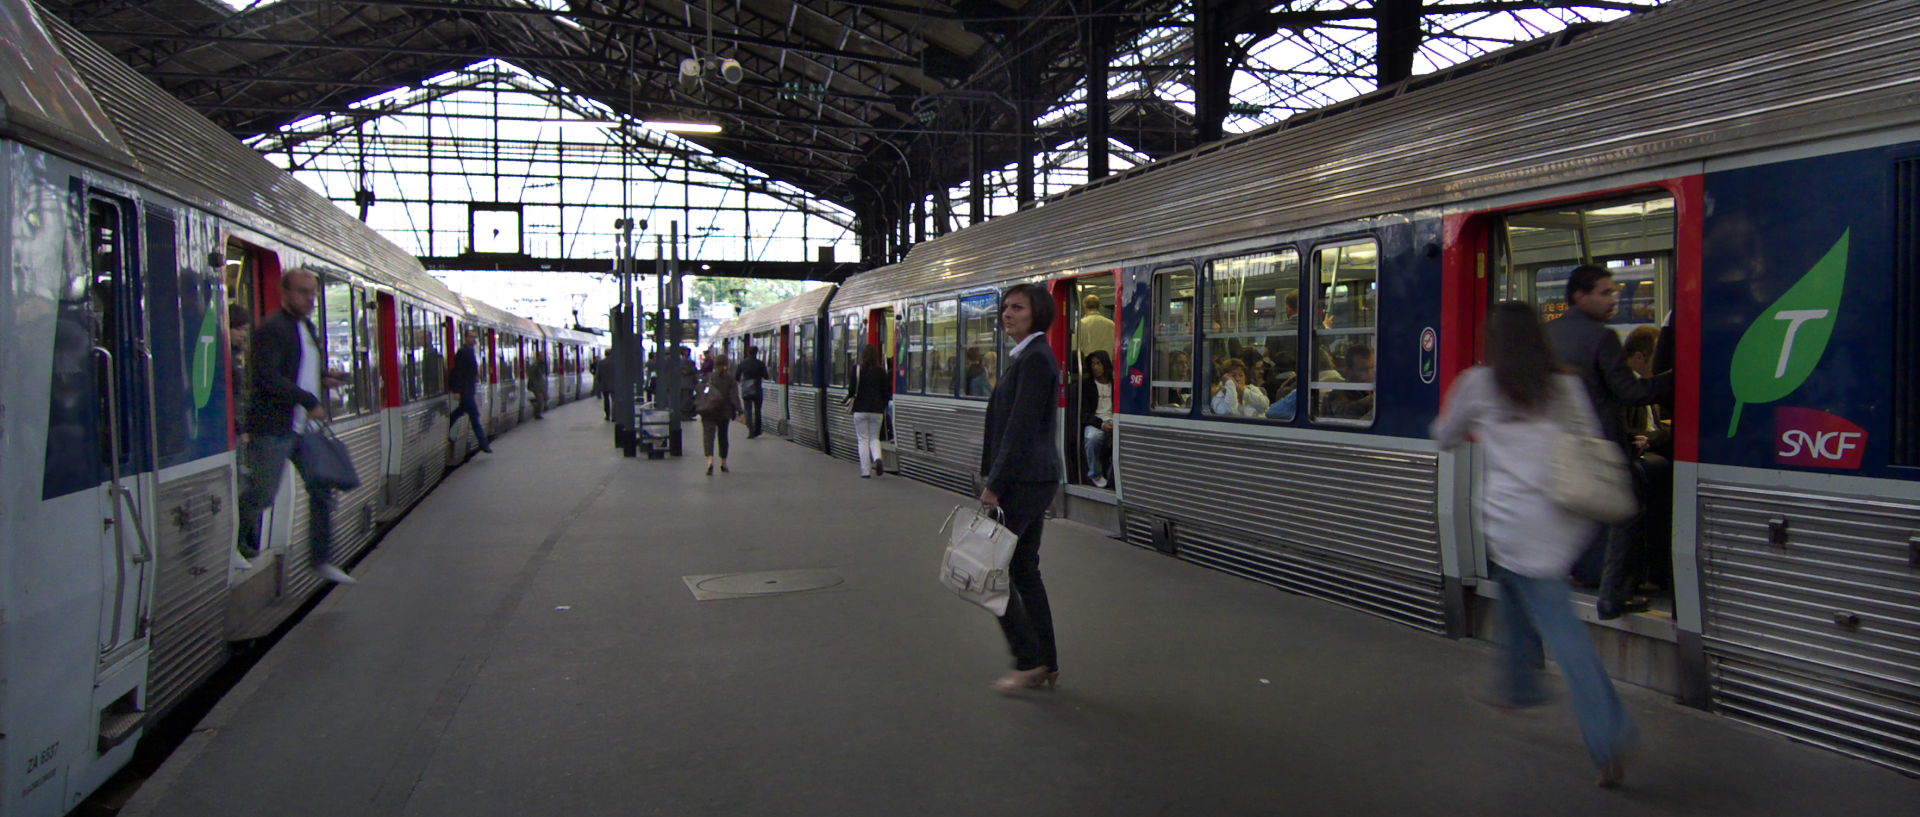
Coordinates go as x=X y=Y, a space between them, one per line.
x=1058 y=334
x=1466 y=286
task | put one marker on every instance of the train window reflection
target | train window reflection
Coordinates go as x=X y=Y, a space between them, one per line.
x=916 y=344
x=1345 y=327
x=1253 y=330
x=1173 y=339
x=337 y=325
x=979 y=357
x=943 y=348
x=1633 y=238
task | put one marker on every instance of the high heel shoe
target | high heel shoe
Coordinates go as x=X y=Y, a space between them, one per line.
x=709 y=469
x=1036 y=678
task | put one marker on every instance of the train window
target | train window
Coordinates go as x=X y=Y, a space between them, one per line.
x=412 y=337
x=837 y=332
x=174 y=318
x=979 y=358
x=1253 y=335
x=1906 y=325
x=803 y=356
x=943 y=347
x=366 y=371
x=1345 y=331
x=433 y=361
x=915 y=340
x=1631 y=237
x=337 y=329
x=1173 y=339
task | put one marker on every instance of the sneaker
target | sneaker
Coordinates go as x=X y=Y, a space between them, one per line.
x=1610 y=610
x=1099 y=482
x=486 y=449
x=238 y=562
x=334 y=574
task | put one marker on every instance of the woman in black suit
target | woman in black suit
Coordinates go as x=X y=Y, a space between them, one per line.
x=1020 y=470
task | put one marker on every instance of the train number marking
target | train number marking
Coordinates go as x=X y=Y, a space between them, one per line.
x=43 y=757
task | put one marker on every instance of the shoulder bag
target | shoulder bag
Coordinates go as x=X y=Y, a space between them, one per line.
x=979 y=548
x=325 y=461
x=1589 y=474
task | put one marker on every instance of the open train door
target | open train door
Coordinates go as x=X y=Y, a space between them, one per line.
x=1086 y=323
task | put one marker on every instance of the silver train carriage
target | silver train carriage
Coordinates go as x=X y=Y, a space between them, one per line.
x=142 y=243
x=788 y=335
x=1748 y=171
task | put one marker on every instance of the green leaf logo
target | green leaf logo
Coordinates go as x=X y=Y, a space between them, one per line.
x=1782 y=347
x=206 y=359
x=1133 y=344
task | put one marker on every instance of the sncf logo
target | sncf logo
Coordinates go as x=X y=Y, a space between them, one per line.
x=1807 y=437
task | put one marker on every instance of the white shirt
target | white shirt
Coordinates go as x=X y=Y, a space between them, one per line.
x=1015 y=352
x=309 y=378
x=1527 y=532
x=1103 y=408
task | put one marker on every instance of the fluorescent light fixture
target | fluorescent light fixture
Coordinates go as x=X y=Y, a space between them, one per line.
x=681 y=127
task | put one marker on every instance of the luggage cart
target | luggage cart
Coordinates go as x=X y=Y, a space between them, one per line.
x=655 y=425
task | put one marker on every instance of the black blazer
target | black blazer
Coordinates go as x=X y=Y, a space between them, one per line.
x=1020 y=435
x=465 y=378
x=871 y=391
x=1593 y=350
x=276 y=374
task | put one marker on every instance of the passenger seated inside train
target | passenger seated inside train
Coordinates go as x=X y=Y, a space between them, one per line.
x=977 y=384
x=1232 y=397
x=1353 y=404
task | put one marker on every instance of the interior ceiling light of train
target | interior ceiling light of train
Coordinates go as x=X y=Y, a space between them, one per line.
x=914 y=115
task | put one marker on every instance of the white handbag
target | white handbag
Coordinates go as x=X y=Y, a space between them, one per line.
x=979 y=548
x=1589 y=474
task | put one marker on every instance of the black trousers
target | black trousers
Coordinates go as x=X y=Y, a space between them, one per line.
x=710 y=426
x=1028 y=624
x=753 y=414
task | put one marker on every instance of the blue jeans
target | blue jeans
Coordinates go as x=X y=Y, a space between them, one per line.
x=265 y=454
x=1096 y=448
x=470 y=407
x=1535 y=610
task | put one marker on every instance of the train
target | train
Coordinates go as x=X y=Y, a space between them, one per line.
x=142 y=241
x=1748 y=172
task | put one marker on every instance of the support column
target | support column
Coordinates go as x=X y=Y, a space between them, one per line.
x=1398 y=24
x=1026 y=88
x=1213 y=69
x=1099 y=52
x=977 y=193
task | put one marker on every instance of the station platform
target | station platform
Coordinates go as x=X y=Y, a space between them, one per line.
x=528 y=641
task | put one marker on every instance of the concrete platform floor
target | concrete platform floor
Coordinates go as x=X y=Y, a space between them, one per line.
x=524 y=644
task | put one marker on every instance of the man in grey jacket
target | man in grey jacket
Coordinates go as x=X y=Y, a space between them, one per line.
x=1585 y=343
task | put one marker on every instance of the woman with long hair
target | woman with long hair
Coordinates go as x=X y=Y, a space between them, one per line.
x=871 y=391
x=1020 y=471
x=1096 y=415
x=717 y=405
x=1516 y=406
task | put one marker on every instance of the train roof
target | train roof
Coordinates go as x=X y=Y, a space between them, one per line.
x=804 y=305
x=561 y=333
x=1682 y=83
x=72 y=97
x=487 y=313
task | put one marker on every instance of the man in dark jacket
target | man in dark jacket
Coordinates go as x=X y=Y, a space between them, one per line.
x=752 y=376
x=1585 y=342
x=286 y=397
x=464 y=382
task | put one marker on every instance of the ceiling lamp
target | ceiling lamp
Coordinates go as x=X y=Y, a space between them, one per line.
x=692 y=68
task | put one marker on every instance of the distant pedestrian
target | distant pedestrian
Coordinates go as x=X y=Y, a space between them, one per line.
x=288 y=398
x=464 y=382
x=1592 y=349
x=717 y=405
x=537 y=383
x=1020 y=470
x=752 y=377
x=601 y=371
x=1516 y=407
x=871 y=393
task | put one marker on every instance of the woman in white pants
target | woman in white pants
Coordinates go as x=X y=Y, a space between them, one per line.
x=872 y=390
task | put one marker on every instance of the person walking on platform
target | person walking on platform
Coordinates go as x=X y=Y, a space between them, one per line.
x=717 y=405
x=752 y=375
x=288 y=396
x=537 y=384
x=465 y=383
x=1586 y=343
x=1516 y=407
x=1020 y=471
x=871 y=392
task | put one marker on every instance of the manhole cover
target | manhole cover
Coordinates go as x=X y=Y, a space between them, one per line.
x=760 y=583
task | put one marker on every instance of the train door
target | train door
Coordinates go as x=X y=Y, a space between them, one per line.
x=122 y=368
x=1087 y=317
x=881 y=332
x=1530 y=256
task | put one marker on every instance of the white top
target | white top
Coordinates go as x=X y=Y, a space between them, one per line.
x=1103 y=405
x=1527 y=533
x=309 y=378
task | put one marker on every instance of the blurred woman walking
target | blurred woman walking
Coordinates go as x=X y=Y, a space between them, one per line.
x=1516 y=406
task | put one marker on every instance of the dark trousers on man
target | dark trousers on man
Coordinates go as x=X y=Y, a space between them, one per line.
x=470 y=407
x=1028 y=623
x=264 y=458
x=753 y=414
